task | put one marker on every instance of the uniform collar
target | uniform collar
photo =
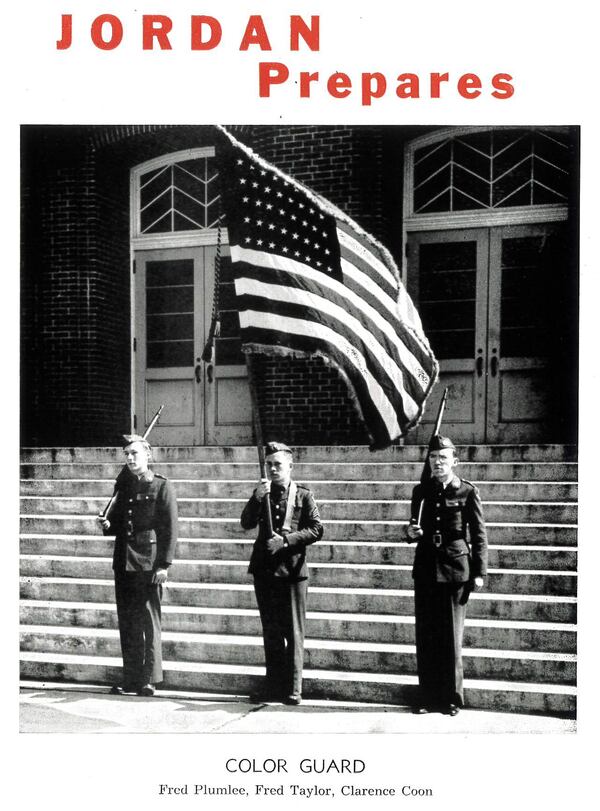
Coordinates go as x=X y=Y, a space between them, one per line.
x=148 y=476
x=278 y=489
x=453 y=484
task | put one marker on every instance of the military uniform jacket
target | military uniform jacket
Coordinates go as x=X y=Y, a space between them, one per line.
x=305 y=528
x=453 y=548
x=143 y=518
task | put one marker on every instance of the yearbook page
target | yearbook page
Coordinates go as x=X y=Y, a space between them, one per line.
x=300 y=308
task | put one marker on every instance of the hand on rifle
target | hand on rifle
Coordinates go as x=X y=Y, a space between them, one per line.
x=275 y=543
x=159 y=577
x=261 y=489
x=413 y=530
x=104 y=522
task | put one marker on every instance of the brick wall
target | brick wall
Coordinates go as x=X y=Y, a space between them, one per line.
x=76 y=325
x=59 y=293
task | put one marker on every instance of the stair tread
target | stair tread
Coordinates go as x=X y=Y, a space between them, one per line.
x=339 y=590
x=398 y=567
x=231 y=520
x=249 y=541
x=310 y=643
x=309 y=674
x=324 y=542
x=366 y=482
x=400 y=619
x=243 y=500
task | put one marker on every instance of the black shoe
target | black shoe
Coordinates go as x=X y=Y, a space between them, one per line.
x=294 y=700
x=420 y=710
x=121 y=689
x=146 y=690
x=453 y=710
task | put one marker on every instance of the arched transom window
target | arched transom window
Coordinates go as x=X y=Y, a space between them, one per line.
x=489 y=170
x=175 y=194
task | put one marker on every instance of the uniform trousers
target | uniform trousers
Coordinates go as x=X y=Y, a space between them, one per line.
x=282 y=608
x=440 y=610
x=139 y=615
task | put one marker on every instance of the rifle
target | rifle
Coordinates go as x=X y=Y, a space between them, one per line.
x=153 y=422
x=426 y=472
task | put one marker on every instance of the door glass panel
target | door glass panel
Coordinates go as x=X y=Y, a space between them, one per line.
x=447 y=297
x=170 y=313
x=524 y=328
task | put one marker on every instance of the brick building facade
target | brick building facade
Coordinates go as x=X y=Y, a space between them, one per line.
x=79 y=335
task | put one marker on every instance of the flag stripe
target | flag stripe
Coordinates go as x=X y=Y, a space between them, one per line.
x=366 y=259
x=270 y=329
x=360 y=273
x=365 y=289
x=360 y=255
x=303 y=346
x=284 y=300
x=386 y=399
x=372 y=297
x=352 y=300
x=328 y=306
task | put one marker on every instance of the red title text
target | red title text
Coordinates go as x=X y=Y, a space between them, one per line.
x=107 y=32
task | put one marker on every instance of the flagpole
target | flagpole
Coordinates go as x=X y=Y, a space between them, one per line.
x=258 y=437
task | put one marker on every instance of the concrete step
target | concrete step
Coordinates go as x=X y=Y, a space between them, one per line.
x=330 y=510
x=502 y=557
x=322 y=654
x=317 y=453
x=509 y=533
x=311 y=471
x=362 y=629
x=507 y=695
x=363 y=601
x=322 y=574
x=241 y=489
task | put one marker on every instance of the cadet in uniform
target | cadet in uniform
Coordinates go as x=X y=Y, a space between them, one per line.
x=278 y=564
x=446 y=569
x=143 y=517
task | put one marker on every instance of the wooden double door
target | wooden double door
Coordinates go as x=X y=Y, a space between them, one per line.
x=493 y=307
x=205 y=403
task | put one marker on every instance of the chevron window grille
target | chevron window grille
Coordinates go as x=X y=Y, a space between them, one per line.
x=493 y=169
x=179 y=196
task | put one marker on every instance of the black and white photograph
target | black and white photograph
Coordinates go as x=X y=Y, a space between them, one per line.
x=300 y=345
x=232 y=313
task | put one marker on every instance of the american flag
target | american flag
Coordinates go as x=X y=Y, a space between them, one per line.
x=310 y=282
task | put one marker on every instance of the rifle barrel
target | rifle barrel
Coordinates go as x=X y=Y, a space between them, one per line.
x=154 y=420
x=425 y=473
x=440 y=414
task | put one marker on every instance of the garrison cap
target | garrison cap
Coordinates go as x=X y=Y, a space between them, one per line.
x=129 y=438
x=440 y=443
x=276 y=447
